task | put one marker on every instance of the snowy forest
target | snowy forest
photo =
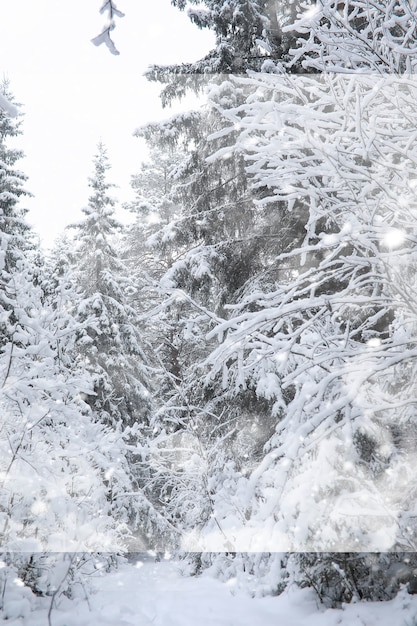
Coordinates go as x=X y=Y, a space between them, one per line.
x=230 y=377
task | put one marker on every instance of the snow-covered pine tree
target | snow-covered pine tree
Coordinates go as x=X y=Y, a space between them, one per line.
x=153 y=208
x=317 y=334
x=331 y=344
x=112 y=347
x=220 y=242
x=62 y=472
x=109 y=8
x=150 y=251
x=12 y=180
x=110 y=341
x=215 y=244
x=14 y=231
x=358 y=36
x=249 y=34
x=225 y=246
x=211 y=231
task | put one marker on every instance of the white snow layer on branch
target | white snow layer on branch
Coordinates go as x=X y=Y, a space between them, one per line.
x=10 y=109
x=331 y=342
x=104 y=36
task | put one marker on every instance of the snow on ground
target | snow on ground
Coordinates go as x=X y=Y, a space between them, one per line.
x=148 y=593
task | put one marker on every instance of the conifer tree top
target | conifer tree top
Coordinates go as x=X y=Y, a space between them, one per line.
x=99 y=218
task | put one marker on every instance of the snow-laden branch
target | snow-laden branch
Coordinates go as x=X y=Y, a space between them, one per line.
x=331 y=343
x=104 y=37
x=7 y=106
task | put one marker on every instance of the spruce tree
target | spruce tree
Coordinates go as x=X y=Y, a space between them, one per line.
x=110 y=341
x=15 y=234
x=330 y=343
x=321 y=336
x=62 y=471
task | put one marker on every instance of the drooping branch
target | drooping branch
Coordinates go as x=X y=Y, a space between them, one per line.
x=112 y=11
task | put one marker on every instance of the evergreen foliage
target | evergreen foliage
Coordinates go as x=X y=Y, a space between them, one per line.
x=273 y=259
x=109 y=341
x=62 y=471
x=250 y=35
x=108 y=7
x=110 y=346
x=318 y=334
x=15 y=237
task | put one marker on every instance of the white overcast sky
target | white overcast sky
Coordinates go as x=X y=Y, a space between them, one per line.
x=75 y=94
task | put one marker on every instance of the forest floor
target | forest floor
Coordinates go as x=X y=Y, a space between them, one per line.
x=148 y=593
